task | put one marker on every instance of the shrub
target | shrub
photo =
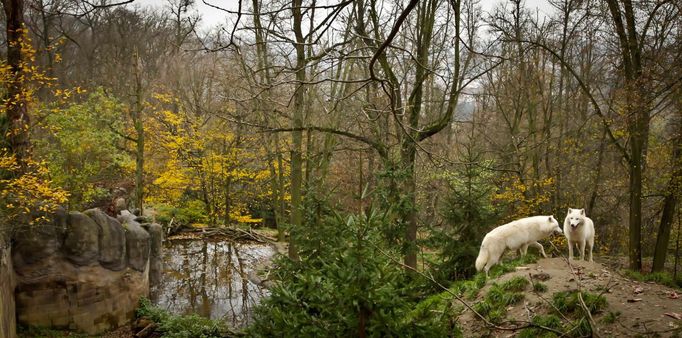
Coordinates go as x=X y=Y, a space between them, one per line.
x=173 y=326
x=469 y=213
x=189 y=213
x=345 y=283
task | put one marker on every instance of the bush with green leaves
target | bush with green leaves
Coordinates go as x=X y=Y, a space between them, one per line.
x=174 y=326
x=347 y=282
x=83 y=147
x=191 y=212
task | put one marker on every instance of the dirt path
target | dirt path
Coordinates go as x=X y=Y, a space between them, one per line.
x=642 y=306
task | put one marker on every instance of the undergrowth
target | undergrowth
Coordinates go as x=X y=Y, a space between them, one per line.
x=568 y=304
x=499 y=297
x=662 y=278
x=42 y=332
x=443 y=303
x=174 y=326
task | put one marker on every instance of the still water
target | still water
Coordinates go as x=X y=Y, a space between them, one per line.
x=211 y=279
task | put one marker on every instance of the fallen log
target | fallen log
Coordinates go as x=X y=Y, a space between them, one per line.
x=230 y=233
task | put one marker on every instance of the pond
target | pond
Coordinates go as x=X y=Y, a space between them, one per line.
x=211 y=279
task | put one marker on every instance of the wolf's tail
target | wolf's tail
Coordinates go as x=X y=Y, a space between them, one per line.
x=482 y=258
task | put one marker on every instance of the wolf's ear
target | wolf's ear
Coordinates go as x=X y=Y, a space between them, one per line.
x=569 y=211
x=582 y=212
x=551 y=218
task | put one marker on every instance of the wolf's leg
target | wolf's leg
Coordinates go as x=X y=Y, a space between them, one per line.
x=488 y=265
x=570 y=250
x=493 y=258
x=582 y=249
x=523 y=250
x=540 y=248
x=591 y=244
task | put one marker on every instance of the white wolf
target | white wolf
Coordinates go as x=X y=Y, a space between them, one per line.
x=579 y=230
x=519 y=235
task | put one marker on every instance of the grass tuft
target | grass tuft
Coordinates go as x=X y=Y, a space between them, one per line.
x=539 y=287
x=542 y=321
x=499 y=297
x=611 y=317
x=568 y=302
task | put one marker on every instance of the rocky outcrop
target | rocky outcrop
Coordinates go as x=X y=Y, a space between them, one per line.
x=137 y=245
x=155 y=259
x=7 y=317
x=112 y=240
x=81 y=244
x=84 y=272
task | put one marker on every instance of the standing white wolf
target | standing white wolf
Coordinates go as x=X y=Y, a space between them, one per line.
x=579 y=230
x=518 y=234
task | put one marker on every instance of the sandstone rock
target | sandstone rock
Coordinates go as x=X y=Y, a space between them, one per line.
x=112 y=246
x=155 y=257
x=137 y=245
x=37 y=249
x=81 y=244
x=120 y=205
x=34 y=244
x=60 y=218
x=125 y=216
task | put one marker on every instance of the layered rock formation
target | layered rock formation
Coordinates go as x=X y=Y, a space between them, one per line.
x=86 y=272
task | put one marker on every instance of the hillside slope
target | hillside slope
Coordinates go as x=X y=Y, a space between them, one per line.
x=632 y=308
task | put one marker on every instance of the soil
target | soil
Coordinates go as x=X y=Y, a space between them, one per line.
x=642 y=306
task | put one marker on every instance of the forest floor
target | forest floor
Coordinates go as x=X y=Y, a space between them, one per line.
x=633 y=308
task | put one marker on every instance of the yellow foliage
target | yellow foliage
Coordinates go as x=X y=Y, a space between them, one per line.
x=26 y=192
x=524 y=199
x=25 y=188
x=193 y=156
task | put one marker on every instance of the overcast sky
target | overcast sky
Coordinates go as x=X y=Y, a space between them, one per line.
x=212 y=17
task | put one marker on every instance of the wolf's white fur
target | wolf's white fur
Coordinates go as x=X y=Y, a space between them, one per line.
x=579 y=230
x=516 y=235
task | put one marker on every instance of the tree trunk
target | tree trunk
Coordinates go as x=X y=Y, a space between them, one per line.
x=297 y=133
x=139 y=139
x=670 y=200
x=635 y=224
x=638 y=123
x=17 y=116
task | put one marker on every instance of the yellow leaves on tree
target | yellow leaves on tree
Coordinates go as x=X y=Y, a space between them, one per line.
x=524 y=199
x=203 y=158
x=27 y=195
x=26 y=190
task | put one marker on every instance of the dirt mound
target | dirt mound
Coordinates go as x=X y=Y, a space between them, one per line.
x=633 y=308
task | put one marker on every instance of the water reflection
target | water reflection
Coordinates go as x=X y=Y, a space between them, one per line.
x=211 y=279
